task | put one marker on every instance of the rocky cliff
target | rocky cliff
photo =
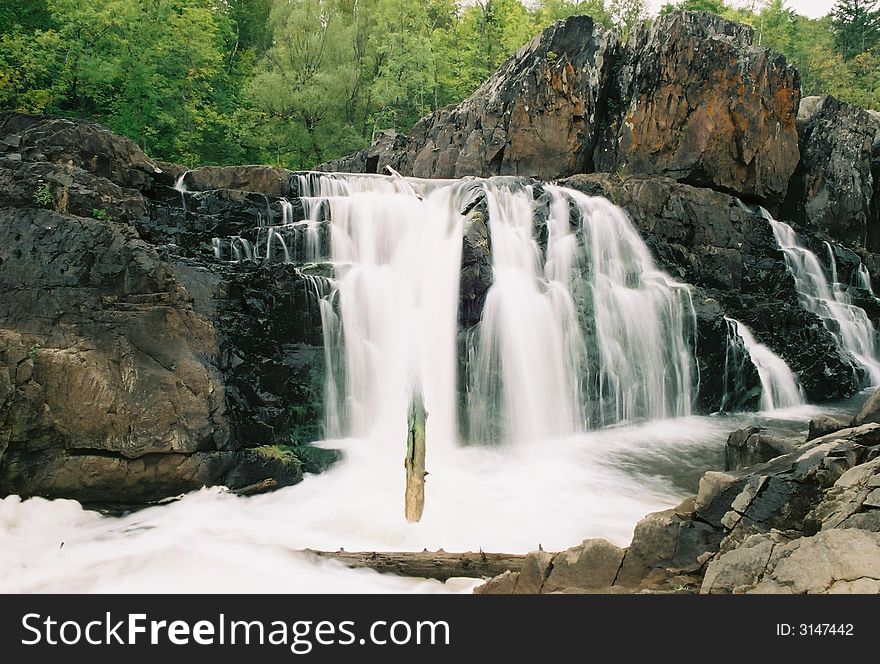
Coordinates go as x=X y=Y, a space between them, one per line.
x=689 y=98
x=132 y=366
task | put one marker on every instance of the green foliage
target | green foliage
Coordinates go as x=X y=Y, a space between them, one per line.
x=101 y=214
x=298 y=82
x=856 y=26
x=43 y=196
x=32 y=352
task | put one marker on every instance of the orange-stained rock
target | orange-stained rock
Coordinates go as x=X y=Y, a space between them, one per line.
x=695 y=100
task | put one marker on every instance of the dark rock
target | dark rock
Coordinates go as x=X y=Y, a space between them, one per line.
x=832 y=189
x=316 y=459
x=383 y=152
x=131 y=371
x=537 y=115
x=695 y=100
x=87 y=146
x=753 y=445
x=691 y=98
x=260 y=179
x=476 y=267
x=822 y=425
x=708 y=239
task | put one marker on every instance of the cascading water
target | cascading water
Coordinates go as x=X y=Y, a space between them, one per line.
x=862 y=279
x=579 y=327
x=848 y=323
x=779 y=386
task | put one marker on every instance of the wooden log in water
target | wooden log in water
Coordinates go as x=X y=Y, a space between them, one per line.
x=415 y=460
x=438 y=565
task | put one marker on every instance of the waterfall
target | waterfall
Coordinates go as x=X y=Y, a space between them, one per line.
x=849 y=324
x=180 y=186
x=862 y=279
x=579 y=327
x=779 y=386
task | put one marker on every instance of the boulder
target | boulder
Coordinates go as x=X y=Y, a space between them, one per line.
x=665 y=546
x=870 y=411
x=832 y=189
x=260 y=179
x=535 y=570
x=697 y=101
x=822 y=425
x=835 y=561
x=592 y=564
x=753 y=445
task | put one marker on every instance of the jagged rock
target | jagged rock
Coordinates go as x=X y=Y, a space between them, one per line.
x=691 y=98
x=383 y=152
x=700 y=103
x=832 y=188
x=851 y=497
x=822 y=425
x=833 y=561
x=87 y=146
x=503 y=584
x=537 y=115
x=753 y=445
x=592 y=564
x=131 y=371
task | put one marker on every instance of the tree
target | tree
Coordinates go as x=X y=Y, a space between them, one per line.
x=856 y=26
x=628 y=14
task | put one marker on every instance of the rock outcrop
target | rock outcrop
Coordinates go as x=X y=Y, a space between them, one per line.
x=689 y=98
x=833 y=189
x=693 y=99
x=132 y=366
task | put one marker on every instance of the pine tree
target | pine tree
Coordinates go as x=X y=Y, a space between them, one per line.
x=856 y=25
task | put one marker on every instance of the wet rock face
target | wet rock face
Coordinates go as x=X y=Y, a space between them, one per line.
x=833 y=189
x=707 y=239
x=695 y=100
x=690 y=99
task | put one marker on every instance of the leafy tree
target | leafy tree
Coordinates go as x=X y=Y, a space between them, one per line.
x=856 y=25
x=628 y=14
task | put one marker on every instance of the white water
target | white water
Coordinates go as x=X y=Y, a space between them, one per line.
x=532 y=373
x=863 y=279
x=779 y=386
x=597 y=484
x=848 y=323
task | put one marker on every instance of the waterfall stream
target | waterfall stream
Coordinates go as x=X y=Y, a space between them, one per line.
x=849 y=324
x=579 y=327
x=779 y=386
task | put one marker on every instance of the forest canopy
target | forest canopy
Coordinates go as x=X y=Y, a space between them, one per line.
x=298 y=82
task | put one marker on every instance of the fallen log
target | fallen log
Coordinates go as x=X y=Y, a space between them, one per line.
x=438 y=565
